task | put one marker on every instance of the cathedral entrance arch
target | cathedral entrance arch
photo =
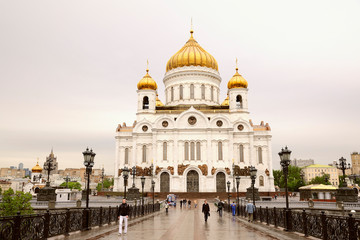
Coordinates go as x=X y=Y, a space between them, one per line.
x=164 y=182
x=192 y=181
x=220 y=182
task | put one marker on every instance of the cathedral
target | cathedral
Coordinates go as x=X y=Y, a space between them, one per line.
x=193 y=142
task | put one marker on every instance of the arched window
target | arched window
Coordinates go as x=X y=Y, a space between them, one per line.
x=192 y=91
x=220 y=152
x=145 y=102
x=239 y=101
x=186 y=148
x=181 y=91
x=261 y=181
x=172 y=94
x=241 y=151
x=126 y=156
x=260 y=155
x=164 y=151
x=212 y=93
x=198 y=151
x=144 y=153
x=202 y=91
x=192 y=151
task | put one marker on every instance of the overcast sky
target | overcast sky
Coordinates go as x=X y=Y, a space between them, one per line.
x=69 y=69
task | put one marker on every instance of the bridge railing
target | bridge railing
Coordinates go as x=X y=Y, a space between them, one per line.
x=62 y=222
x=318 y=225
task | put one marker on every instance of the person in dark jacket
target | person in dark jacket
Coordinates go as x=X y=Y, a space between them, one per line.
x=123 y=215
x=206 y=210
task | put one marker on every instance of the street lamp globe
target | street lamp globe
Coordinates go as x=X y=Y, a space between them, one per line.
x=237 y=181
x=87 y=157
x=143 y=181
x=253 y=172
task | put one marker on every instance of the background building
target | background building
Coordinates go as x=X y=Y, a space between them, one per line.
x=317 y=170
x=355 y=162
x=302 y=162
x=12 y=173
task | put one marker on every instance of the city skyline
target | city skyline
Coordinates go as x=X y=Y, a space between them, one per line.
x=69 y=77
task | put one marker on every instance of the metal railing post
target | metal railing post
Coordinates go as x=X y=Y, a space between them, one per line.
x=289 y=219
x=17 y=223
x=352 y=231
x=275 y=219
x=47 y=224
x=305 y=223
x=100 y=215
x=267 y=216
x=260 y=215
x=109 y=219
x=324 y=225
x=67 y=227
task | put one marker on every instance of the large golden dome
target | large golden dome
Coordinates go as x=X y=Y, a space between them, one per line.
x=237 y=81
x=37 y=168
x=191 y=54
x=147 y=82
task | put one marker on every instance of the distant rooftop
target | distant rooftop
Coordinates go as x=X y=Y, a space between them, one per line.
x=318 y=166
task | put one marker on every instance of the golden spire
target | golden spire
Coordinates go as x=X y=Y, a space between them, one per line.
x=147 y=82
x=237 y=81
x=191 y=28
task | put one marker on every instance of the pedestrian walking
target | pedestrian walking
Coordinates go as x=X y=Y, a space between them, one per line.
x=166 y=206
x=195 y=203
x=233 y=208
x=206 y=210
x=189 y=203
x=250 y=209
x=220 y=206
x=181 y=202
x=184 y=202
x=123 y=216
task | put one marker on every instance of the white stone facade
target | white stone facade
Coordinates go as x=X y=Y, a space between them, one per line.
x=170 y=137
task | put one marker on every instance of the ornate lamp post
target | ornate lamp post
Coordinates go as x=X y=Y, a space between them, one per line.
x=102 y=178
x=67 y=180
x=237 y=193
x=285 y=162
x=142 y=195
x=125 y=171
x=228 y=187
x=133 y=173
x=343 y=166
x=153 y=193
x=253 y=172
x=48 y=166
x=88 y=163
x=233 y=173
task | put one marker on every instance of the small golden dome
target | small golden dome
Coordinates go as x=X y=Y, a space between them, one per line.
x=147 y=82
x=37 y=168
x=191 y=54
x=158 y=102
x=237 y=81
x=226 y=101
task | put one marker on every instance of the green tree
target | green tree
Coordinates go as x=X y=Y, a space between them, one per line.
x=15 y=202
x=107 y=184
x=321 y=180
x=0 y=191
x=294 y=179
x=72 y=185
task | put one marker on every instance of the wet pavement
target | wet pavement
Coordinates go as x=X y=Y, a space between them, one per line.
x=184 y=223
